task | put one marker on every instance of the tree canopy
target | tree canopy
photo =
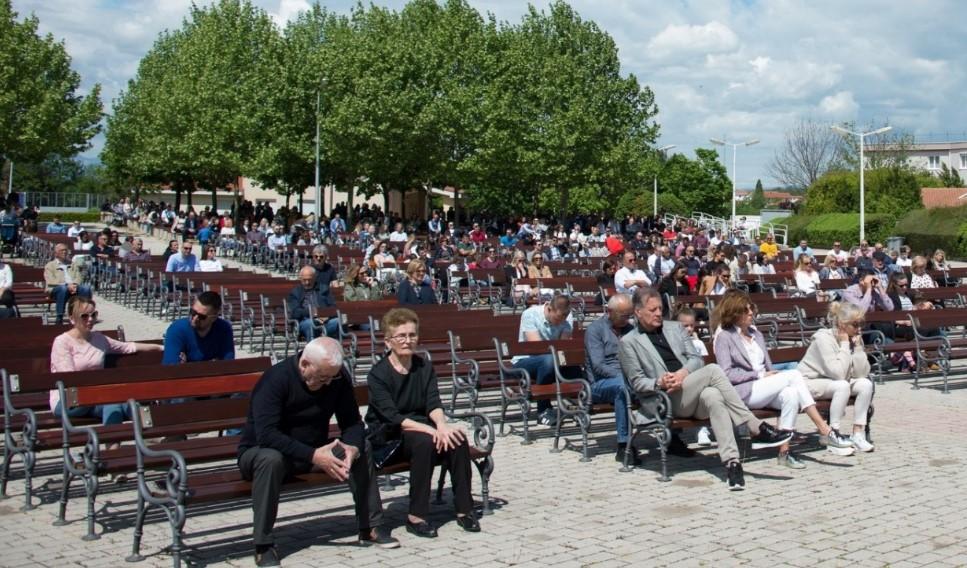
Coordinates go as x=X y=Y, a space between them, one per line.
x=520 y=117
x=41 y=110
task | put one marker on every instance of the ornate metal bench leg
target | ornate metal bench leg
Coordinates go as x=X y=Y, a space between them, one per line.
x=557 y=432
x=5 y=472
x=90 y=485
x=62 y=510
x=177 y=524
x=584 y=422
x=138 y=531
x=503 y=415
x=664 y=437
x=525 y=419
x=30 y=458
x=486 y=467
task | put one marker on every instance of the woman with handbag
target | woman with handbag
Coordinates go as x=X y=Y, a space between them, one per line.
x=407 y=423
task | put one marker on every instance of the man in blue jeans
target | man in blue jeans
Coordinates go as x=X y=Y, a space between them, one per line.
x=603 y=370
x=545 y=322
x=311 y=294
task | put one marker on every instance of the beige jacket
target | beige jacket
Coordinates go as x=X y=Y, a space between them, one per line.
x=827 y=358
x=54 y=276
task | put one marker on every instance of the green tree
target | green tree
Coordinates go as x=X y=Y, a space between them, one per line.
x=757 y=200
x=41 y=111
x=949 y=177
x=892 y=191
x=701 y=184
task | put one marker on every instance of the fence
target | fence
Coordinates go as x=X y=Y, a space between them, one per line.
x=62 y=202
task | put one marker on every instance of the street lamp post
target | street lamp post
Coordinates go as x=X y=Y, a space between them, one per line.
x=318 y=189
x=862 y=136
x=661 y=151
x=734 y=146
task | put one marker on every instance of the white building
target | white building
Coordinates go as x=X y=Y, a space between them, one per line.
x=930 y=156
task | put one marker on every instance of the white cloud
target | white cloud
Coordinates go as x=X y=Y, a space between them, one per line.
x=717 y=67
x=713 y=37
x=841 y=105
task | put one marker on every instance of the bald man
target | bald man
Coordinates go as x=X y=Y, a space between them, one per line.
x=287 y=433
x=601 y=341
x=303 y=302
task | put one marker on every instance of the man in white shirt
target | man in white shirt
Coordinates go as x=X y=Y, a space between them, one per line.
x=277 y=239
x=838 y=252
x=630 y=277
x=398 y=235
x=75 y=230
x=661 y=262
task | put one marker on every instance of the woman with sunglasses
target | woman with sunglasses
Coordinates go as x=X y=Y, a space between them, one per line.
x=407 y=423
x=83 y=349
x=740 y=349
x=836 y=367
x=210 y=262
x=415 y=289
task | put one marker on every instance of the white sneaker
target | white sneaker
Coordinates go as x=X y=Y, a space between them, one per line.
x=860 y=442
x=835 y=440
x=704 y=437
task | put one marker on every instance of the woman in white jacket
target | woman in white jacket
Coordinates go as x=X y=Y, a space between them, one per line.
x=836 y=367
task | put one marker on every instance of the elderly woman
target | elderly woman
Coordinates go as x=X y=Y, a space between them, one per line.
x=209 y=261
x=407 y=423
x=836 y=367
x=415 y=289
x=740 y=349
x=920 y=278
x=83 y=349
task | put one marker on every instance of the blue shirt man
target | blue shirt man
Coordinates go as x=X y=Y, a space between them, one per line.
x=56 y=228
x=184 y=261
x=802 y=249
x=508 y=240
x=601 y=342
x=544 y=323
x=337 y=226
x=202 y=336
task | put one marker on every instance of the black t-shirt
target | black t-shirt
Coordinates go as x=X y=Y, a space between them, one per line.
x=664 y=350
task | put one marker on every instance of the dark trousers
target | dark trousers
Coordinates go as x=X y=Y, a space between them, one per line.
x=267 y=469
x=7 y=299
x=418 y=449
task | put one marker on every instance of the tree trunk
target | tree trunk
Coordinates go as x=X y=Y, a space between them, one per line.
x=565 y=196
x=403 y=204
x=177 y=196
x=302 y=194
x=215 y=200
x=456 y=204
x=351 y=193
x=190 y=192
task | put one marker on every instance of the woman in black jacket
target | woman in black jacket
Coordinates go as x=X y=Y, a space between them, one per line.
x=414 y=289
x=407 y=423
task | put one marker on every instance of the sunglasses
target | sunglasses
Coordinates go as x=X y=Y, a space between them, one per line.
x=90 y=316
x=194 y=314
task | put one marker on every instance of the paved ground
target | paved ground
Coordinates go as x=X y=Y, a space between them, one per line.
x=899 y=506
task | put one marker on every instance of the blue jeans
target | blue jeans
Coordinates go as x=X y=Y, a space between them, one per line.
x=611 y=391
x=541 y=371
x=785 y=366
x=108 y=413
x=309 y=329
x=60 y=295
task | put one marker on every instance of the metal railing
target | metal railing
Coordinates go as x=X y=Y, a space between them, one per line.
x=62 y=200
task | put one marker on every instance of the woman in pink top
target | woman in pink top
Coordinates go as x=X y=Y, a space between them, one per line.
x=83 y=349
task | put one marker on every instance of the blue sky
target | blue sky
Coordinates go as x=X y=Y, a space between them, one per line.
x=725 y=69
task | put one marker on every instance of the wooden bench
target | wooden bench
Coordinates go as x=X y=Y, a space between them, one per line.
x=181 y=487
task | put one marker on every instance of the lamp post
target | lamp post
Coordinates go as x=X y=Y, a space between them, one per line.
x=318 y=189
x=734 y=146
x=661 y=152
x=862 y=136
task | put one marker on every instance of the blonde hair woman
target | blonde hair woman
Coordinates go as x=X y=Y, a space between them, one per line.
x=836 y=367
x=920 y=278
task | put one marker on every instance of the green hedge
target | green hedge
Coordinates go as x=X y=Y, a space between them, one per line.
x=823 y=230
x=928 y=229
x=87 y=217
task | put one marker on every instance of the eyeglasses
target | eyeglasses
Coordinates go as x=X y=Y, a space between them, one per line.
x=405 y=337
x=90 y=316
x=318 y=256
x=194 y=314
x=327 y=379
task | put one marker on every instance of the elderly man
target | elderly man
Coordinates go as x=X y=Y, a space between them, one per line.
x=305 y=299
x=202 y=336
x=287 y=433
x=603 y=369
x=659 y=354
x=183 y=261
x=544 y=323
x=277 y=240
x=662 y=262
x=138 y=252
x=64 y=279
x=629 y=277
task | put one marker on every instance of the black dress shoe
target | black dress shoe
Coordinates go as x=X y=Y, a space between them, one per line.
x=421 y=529
x=267 y=557
x=469 y=523
x=736 y=477
x=634 y=460
x=678 y=448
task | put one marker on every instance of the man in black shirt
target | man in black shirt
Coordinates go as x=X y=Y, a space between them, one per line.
x=287 y=433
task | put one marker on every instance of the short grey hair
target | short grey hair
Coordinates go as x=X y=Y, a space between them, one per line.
x=643 y=294
x=323 y=351
x=617 y=300
x=321 y=249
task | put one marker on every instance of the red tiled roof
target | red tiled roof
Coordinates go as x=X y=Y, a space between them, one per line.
x=934 y=197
